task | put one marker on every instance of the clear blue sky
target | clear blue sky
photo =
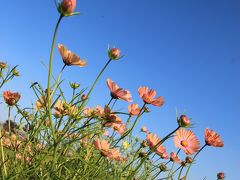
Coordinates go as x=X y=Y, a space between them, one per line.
x=188 y=51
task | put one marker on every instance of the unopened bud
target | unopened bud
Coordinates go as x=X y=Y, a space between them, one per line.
x=183 y=121
x=163 y=167
x=142 y=154
x=188 y=160
x=114 y=53
x=221 y=176
x=3 y=65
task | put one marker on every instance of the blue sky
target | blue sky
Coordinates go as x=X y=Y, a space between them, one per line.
x=188 y=51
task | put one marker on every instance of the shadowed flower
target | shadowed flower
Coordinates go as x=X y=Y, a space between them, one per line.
x=66 y=7
x=59 y=109
x=11 y=98
x=69 y=58
x=120 y=128
x=212 y=138
x=187 y=141
x=114 y=154
x=102 y=145
x=148 y=96
x=174 y=157
x=133 y=109
x=41 y=103
x=118 y=93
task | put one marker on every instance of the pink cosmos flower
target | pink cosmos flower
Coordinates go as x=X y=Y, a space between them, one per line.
x=212 y=138
x=148 y=96
x=221 y=175
x=133 y=109
x=174 y=157
x=187 y=141
x=118 y=93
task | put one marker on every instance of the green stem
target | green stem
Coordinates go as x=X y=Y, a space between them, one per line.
x=49 y=77
x=2 y=153
x=95 y=82
x=49 y=90
x=9 y=121
x=193 y=160
x=151 y=151
x=129 y=131
x=179 y=176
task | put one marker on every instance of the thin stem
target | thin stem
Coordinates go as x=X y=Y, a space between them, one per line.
x=179 y=176
x=3 y=159
x=9 y=121
x=129 y=131
x=152 y=150
x=95 y=82
x=193 y=160
x=49 y=77
x=110 y=102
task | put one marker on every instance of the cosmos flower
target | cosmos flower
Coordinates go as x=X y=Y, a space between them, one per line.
x=69 y=58
x=187 y=141
x=133 y=109
x=212 y=138
x=152 y=141
x=174 y=157
x=148 y=96
x=118 y=93
x=11 y=98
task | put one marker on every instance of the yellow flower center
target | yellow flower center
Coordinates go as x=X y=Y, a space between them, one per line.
x=184 y=143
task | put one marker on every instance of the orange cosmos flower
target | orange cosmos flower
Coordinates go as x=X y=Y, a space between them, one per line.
x=118 y=93
x=212 y=138
x=59 y=109
x=152 y=141
x=133 y=109
x=11 y=98
x=120 y=128
x=148 y=96
x=102 y=145
x=69 y=58
x=187 y=141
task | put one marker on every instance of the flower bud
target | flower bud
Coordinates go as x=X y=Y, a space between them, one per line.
x=144 y=129
x=183 y=121
x=74 y=85
x=66 y=7
x=221 y=176
x=16 y=72
x=163 y=167
x=146 y=109
x=188 y=160
x=84 y=97
x=114 y=53
x=144 y=144
x=142 y=154
x=3 y=65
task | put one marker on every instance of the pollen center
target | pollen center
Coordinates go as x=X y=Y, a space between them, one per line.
x=184 y=143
